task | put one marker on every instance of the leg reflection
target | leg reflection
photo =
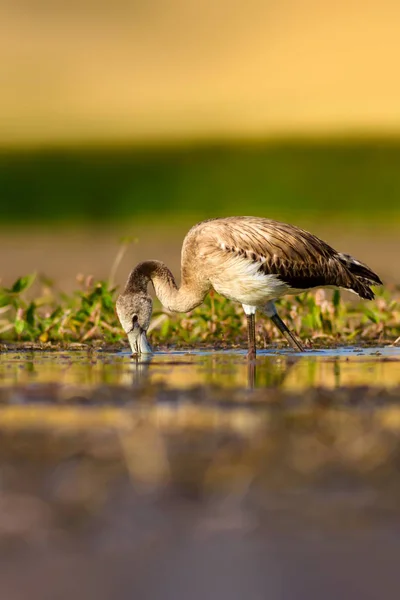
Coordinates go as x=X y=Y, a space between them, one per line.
x=251 y=373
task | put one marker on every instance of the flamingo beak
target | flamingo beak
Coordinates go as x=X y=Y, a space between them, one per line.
x=138 y=341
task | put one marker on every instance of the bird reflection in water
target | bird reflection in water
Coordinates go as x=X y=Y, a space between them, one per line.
x=222 y=370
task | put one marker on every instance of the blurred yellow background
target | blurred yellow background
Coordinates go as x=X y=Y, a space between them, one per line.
x=94 y=70
x=139 y=118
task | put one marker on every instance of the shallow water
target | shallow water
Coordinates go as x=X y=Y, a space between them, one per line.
x=330 y=368
x=197 y=475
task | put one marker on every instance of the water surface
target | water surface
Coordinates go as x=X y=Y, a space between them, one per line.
x=330 y=368
x=197 y=475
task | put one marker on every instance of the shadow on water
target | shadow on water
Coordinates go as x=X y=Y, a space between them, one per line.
x=193 y=475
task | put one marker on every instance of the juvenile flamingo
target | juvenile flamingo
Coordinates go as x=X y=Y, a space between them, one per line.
x=250 y=260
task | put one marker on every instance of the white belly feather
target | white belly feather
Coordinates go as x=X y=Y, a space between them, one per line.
x=240 y=280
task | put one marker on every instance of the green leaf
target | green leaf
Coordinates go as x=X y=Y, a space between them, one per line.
x=30 y=314
x=336 y=298
x=165 y=328
x=4 y=299
x=372 y=316
x=19 y=326
x=23 y=283
x=107 y=301
x=56 y=313
x=336 y=302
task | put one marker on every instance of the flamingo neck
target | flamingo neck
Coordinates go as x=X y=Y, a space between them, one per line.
x=174 y=298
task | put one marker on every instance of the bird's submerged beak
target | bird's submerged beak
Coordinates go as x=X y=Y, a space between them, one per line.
x=138 y=341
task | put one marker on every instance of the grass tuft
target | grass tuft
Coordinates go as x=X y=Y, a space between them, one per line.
x=88 y=315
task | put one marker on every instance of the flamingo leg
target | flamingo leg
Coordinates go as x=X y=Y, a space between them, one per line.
x=290 y=337
x=270 y=310
x=251 y=336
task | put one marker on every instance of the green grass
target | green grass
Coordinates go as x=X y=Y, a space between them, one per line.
x=88 y=316
x=355 y=180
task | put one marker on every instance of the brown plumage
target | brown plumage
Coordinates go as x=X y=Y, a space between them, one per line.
x=249 y=260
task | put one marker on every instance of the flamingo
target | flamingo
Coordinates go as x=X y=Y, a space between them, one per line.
x=250 y=260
